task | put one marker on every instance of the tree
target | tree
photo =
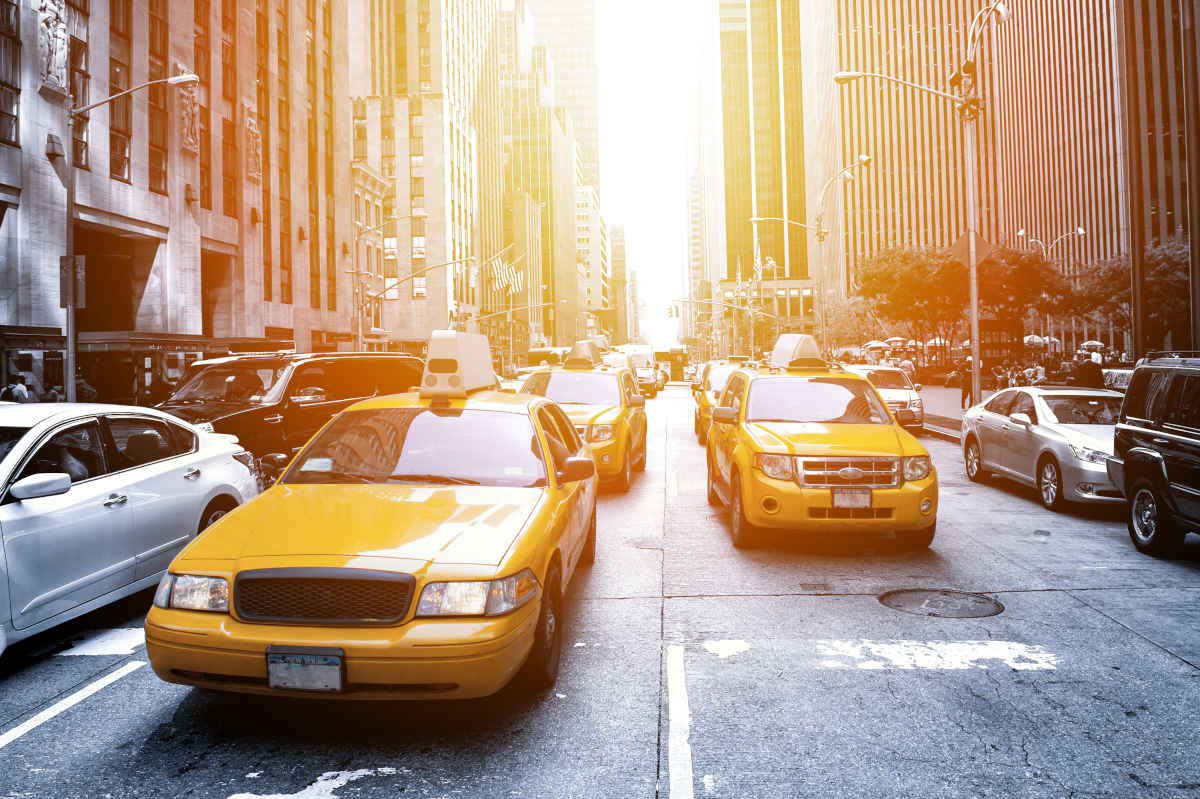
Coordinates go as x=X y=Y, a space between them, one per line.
x=1105 y=290
x=849 y=321
x=922 y=291
x=1012 y=284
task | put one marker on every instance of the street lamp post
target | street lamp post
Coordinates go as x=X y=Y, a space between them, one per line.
x=74 y=114
x=968 y=103
x=1046 y=250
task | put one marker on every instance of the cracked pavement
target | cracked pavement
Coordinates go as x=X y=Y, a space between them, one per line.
x=922 y=706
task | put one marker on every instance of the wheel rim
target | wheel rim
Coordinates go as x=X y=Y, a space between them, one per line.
x=213 y=517
x=1049 y=483
x=972 y=459
x=1144 y=513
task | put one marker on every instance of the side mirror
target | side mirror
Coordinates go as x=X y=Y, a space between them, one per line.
x=577 y=468
x=724 y=415
x=637 y=401
x=272 y=465
x=1021 y=418
x=46 y=484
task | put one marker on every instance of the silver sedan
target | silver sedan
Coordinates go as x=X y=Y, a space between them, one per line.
x=1054 y=438
x=97 y=500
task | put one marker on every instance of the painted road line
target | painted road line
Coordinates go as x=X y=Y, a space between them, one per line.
x=69 y=702
x=679 y=750
x=109 y=642
x=932 y=655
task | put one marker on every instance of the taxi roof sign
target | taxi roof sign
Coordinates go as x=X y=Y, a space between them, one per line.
x=583 y=355
x=457 y=364
x=796 y=349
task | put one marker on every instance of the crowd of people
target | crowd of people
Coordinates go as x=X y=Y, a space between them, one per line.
x=1085 y=371
x=17 y=389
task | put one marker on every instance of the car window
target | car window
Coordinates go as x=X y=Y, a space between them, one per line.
x=423 y=446
x=185 y=440
x=1024 y=404
x=629 y=387
x=824 y=400
x=76 y=451
x=395 y=375
x=1183 y=406
x=309 y=381
x=731 y=397
x=570 y=436
x=558 y=442
x=349 y=378
x=999 y=403
x=9 y=436
x=1082 y=409
x=576 y=388
x=716 y=378
x=138 y=441
x=1156 y=396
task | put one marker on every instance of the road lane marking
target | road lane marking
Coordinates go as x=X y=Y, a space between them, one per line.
x=933 y=655
x=68 y=702
x=679 y=750
x=109 y=642
x=725 y=649
x=325 y=785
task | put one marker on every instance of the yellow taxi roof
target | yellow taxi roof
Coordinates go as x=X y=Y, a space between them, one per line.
x=487 y=400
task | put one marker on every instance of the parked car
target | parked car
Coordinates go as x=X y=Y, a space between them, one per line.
x=274 y=402
x=897 y=390
x=1156 y=452
x=1055 y=438
x=97 y=500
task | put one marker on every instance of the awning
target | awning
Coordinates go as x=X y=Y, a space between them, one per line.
x=141 y=341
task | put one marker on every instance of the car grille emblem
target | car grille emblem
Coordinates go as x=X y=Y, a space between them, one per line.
x=851 y=473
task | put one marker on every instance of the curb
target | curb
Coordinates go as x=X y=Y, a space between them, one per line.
x=942 y=433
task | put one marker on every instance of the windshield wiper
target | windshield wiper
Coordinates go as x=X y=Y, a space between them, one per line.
x=432 y=478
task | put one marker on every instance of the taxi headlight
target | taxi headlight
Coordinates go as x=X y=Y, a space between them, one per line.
x=191 y=592
x=779 y=467
x=478 y=598
x=600 y=432
x=917 y=467
x=1089 y=455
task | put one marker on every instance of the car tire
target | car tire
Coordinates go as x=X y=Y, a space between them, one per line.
x=641 y=461
x=714 y=498
x=741 y=532
x=215 y=510
x=625 y=479
x=1151 y=528
x=541 y=667
x=589 y=545
x=1049 y=484
x=921 y=539
x=973 y=461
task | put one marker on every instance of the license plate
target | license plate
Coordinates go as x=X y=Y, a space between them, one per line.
x=851 y=497
x=304 y=670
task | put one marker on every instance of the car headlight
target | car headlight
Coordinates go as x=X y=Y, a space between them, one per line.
x=779 y=467
x=479 y=597
x=600 y=432
x=917 y=467
x=191 y=592
x=1089 y=455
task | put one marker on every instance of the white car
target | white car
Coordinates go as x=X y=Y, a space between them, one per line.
x=95 y=501
x=901 y=394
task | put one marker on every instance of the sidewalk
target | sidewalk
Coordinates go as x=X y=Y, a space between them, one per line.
x=943 y=410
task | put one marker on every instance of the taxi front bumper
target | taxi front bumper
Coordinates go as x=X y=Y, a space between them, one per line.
x=610 y=457
x=460 y=658
x=783 y=504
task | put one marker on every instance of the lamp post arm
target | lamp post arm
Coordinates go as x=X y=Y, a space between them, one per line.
x=402 y=280
x=78 y=112
x=909 y=84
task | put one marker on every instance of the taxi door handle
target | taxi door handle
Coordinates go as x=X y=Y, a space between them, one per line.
x=1160 y=441
x=191 y=474
x=115 y=499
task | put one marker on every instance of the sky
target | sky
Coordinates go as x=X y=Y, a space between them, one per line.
x=647 y=114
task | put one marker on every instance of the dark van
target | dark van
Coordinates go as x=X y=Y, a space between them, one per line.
x=274 y=403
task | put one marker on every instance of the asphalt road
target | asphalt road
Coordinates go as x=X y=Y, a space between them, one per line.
x=695 y=670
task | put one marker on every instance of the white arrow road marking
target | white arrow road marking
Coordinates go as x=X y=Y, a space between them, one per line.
x=679 y=750
x=68 y=703
x=325 y=785
x=878 y=655
x=109 y=642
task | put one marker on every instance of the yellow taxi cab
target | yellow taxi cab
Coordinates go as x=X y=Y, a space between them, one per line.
x=605 y=407
x=418 y=547
x=804 y=445
x=706 y=390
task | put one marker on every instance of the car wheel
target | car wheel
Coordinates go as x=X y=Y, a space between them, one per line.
x=921 y=539
x=541 y=668
x=714 y=498
x=641 y=461
x=1049 y=480
x=215 y=510
x=973 y=461
x=626 y=478
x=589 y=546
x=1151 y=528
x=741 y=532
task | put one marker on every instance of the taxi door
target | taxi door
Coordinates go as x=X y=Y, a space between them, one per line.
x=637 y=416
x=724 y=436
x=565 y=442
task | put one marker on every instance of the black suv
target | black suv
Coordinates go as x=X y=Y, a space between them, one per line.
x=274 y=403
x=1156 y=451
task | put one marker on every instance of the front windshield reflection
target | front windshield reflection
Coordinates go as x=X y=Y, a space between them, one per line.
x=229 y=383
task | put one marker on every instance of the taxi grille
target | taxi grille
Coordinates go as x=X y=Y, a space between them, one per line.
x=850 y=472
x=322 y=596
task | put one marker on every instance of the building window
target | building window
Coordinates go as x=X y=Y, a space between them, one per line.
x=229 y=169
x=10 y=69
x=285 y=250
x=158 y=96
x=121 y=17
x=205 y=159
x=79 y=96
x=120 y=122
x=331 y=269
x=202 y=58
x=228 y=71
x=228 y=16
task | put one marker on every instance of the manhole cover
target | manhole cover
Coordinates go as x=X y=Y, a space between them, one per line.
x=943 y=604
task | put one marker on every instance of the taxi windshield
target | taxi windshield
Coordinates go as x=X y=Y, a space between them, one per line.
x=424 y=446
x=230 y=383
x=824 y=400
x=717 y=377
x=1082 y=409
x=576 y=388
x=885 y=378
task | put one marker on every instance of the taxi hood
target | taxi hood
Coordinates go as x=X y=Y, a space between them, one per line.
x=447 y=524
x=583 y=415
x=815 y=438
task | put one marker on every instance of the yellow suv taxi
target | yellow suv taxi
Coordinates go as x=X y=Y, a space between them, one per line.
x=418 y=547
x=605 y=406
x=706 y=390
x=805 y=445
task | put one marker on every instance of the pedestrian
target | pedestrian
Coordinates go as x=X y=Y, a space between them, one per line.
x=84 y=392
x=55 y=394
x=964 y=380
x=1088 y=374
x=8 y=394
x=21 y=392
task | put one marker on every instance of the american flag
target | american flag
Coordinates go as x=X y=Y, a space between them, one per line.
x=506 y=278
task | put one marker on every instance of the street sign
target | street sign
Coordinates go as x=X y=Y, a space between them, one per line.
x=72 y=283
